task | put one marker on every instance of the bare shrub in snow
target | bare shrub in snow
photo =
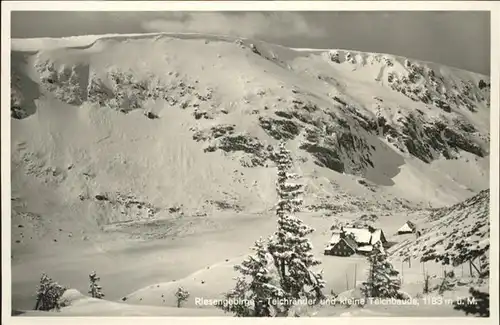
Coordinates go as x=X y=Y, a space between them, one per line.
x=94 y=287
x=48 y=294
x=427 y=278
x=447 y=283
x=181 y=295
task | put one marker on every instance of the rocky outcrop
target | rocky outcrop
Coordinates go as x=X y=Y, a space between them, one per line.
x=424 y=85
x=65 y=82
x=224 y=205
x=325 y=156
x=427 y=140
x=23 y=91
x=280 y=129
x=126 y=207
x=214 y=132
x=251 y=147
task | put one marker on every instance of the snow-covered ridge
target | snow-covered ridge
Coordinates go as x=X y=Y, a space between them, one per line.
x=51 y=43
x=85 y=41
x=48 y=43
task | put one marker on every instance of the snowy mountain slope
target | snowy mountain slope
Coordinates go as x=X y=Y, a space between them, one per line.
x=454 y=235
x=140 y=127
x=241 y=97
x=156 y=136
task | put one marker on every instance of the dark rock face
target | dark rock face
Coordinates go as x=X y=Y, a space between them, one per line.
x=23 y=91
x=334 y=56
x=152 y=116
x=222 y=129
x=224 y=205
x=101 y=197
x=67 y=83
x=415 y=134
x=241 y=142
x=482 y=84
x=300 y=105
x=17 y=112
x=214 y=132
x=423 y=85
x=250 y=146
x=284 y=114
x=126 y=92
x=280 y=129
x=426 y=140
x=325 y=157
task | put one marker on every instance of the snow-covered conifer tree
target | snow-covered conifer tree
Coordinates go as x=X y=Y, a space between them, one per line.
x=241 y=292
x=48 y=294
x=94 y=287
x=257 y=288
x=279 y=273
x=383 y=281
x=182 y=295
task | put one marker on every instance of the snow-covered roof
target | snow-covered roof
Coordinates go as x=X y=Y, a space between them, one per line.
x=351 y=243
x=376 y=236
x=366 y=248
x=369 y=248
x=335 y=238
x=407 y=227
x=361 y=235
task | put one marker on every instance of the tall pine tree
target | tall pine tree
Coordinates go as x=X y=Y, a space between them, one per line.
x=289 y=246
x=383 y=281
x=279 y=273
x=94 y=287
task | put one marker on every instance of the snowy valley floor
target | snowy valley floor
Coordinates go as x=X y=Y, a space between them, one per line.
x=147 y=273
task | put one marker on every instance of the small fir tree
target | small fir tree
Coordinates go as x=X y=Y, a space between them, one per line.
x=94 y=287
x=182 y=295
x=48 y=294
x=383 y=281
